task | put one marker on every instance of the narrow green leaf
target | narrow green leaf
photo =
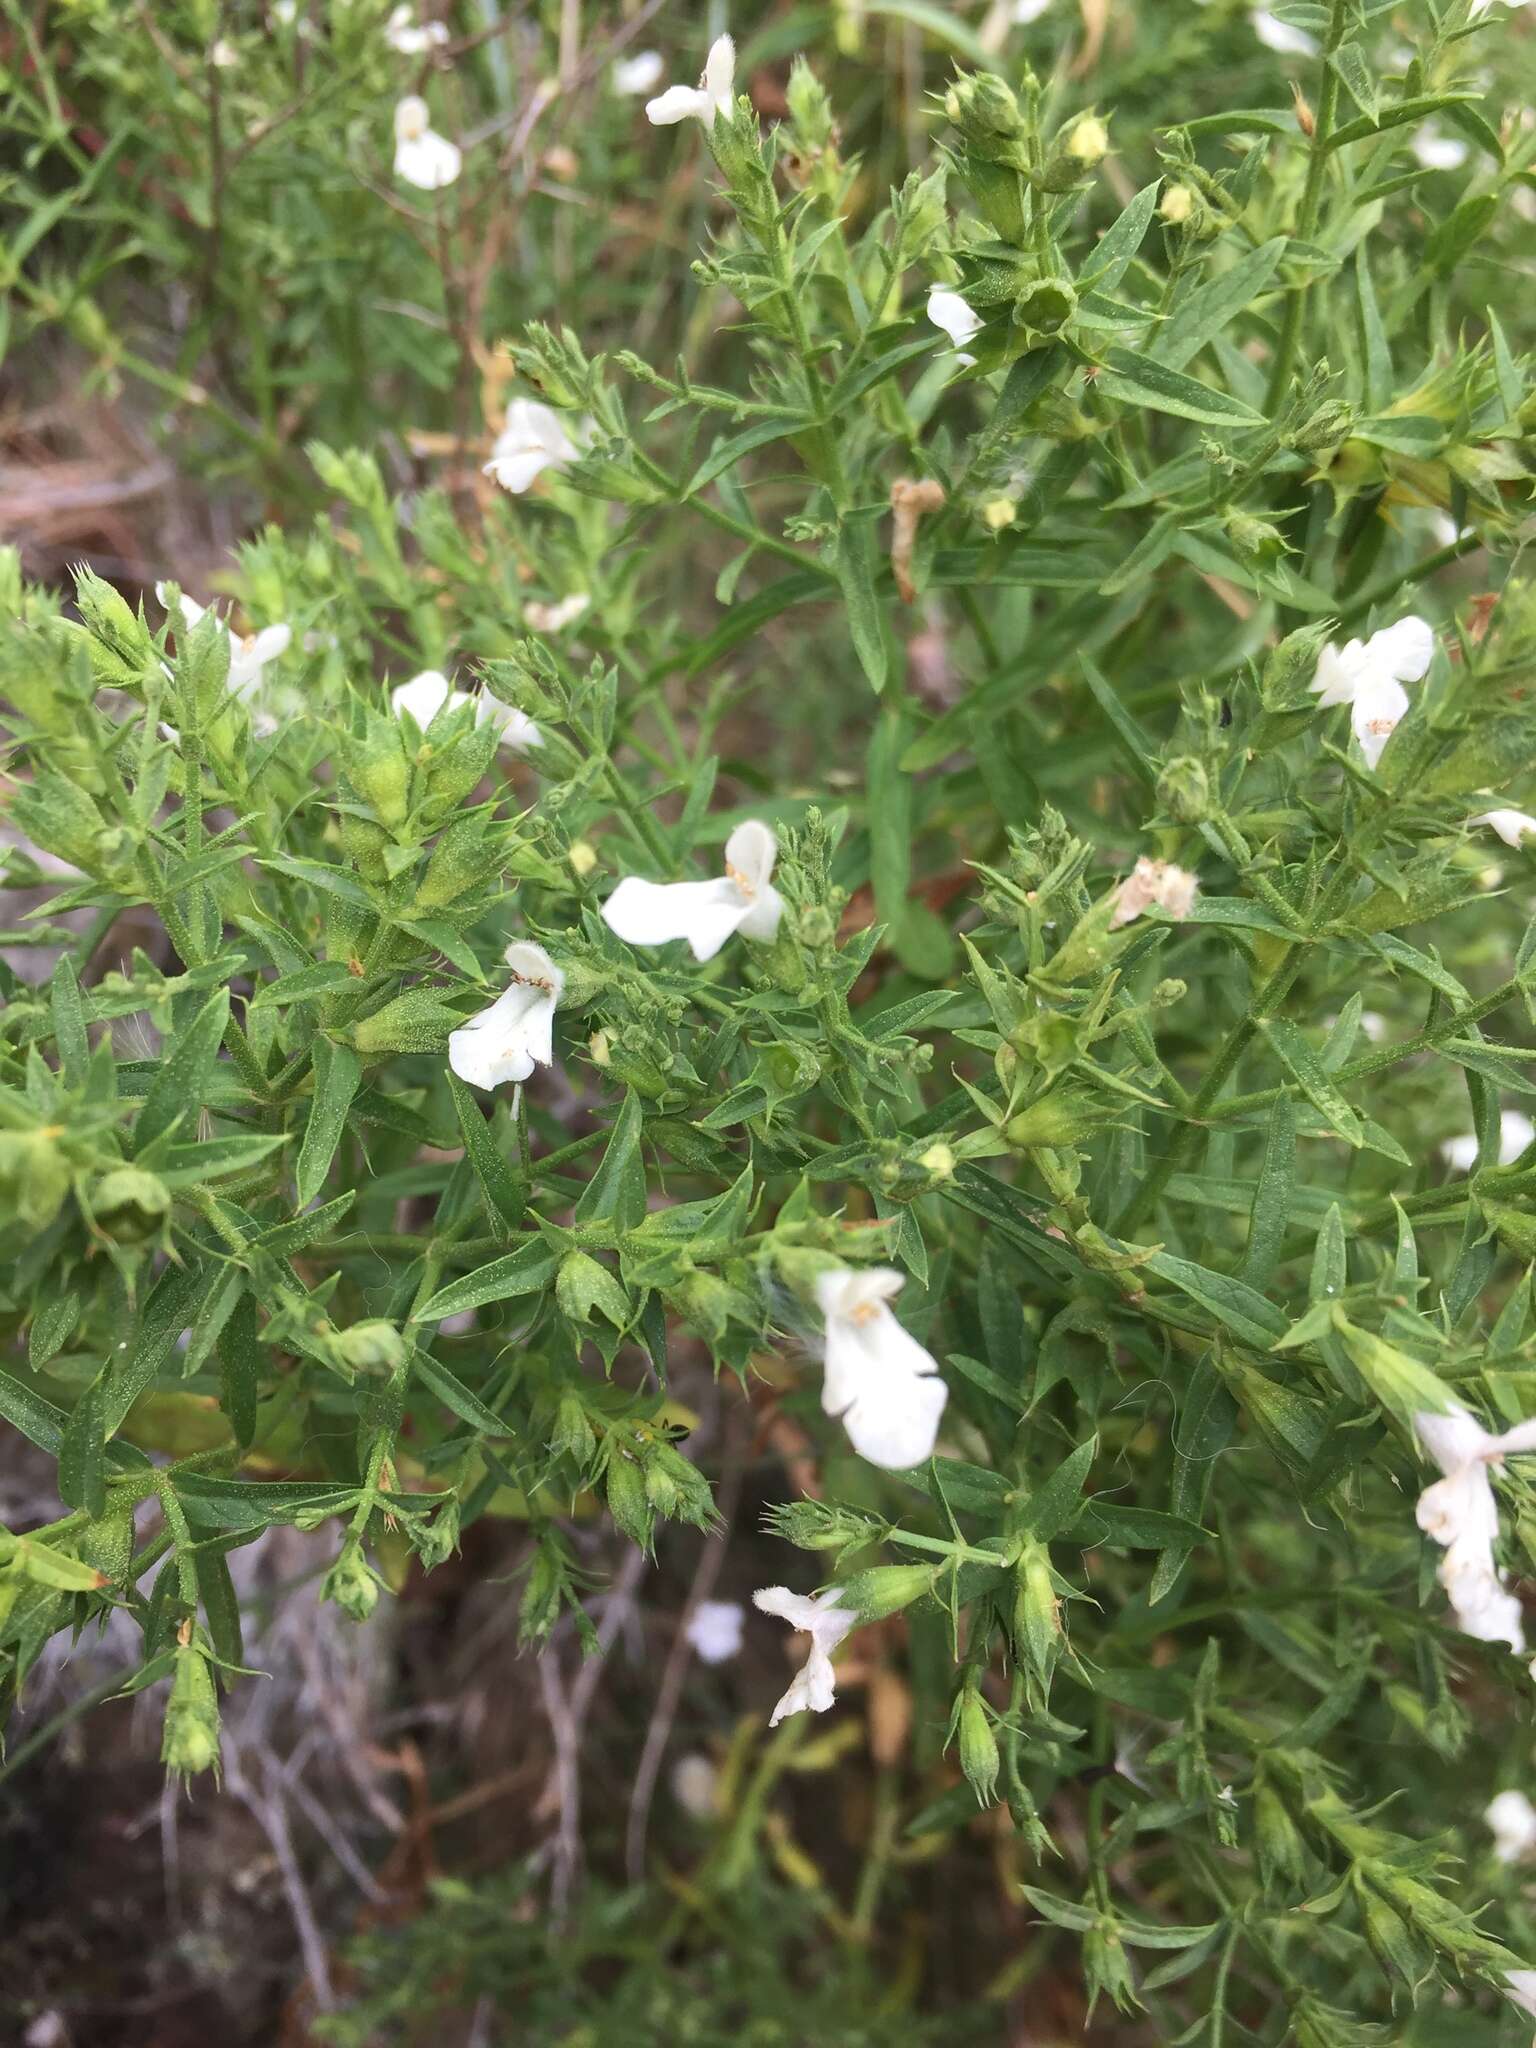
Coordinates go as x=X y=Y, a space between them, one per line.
x=240 y=1364
x=1270 y=1215
x=1237 y=1306
x=82 y=1455
x=1140 y=381
x=525 y=1271
x=616 y=1192
x=1055 y=1506
x=180 y=1088
x=69 y=1023
x=1214 y=305
x=1305 y=1068
x=452 y=1392
x=506 y=1193
x=338 y=1074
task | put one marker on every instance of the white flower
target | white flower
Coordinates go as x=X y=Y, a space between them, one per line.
x=947 y=309
x=1025 y=11
x=637 y=74
x=1445 y=529
x=532 y=439
x=826 y=1623
x=705 y=913
x=224 y=56
x=1513 y=1820
x=249 y=653
x=424 y=696
x=1511 y=826
x=1515 y=1133
x=516 y=1034
x=1374 y=1026
x=422 y=156
x=876 y=1375
x=714 y=95
x=1278 y=35
x=1437 y=152
x=1460 y=1513
x=714 y=1629
x=553 y=618
x=1154 y=884
x=696 y=1786
x=1368 y=675
x=404 y=34
x=1521 y=1983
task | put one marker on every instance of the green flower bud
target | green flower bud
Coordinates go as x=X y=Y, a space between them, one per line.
x=707 y=1301
x=988 y=115
x=627 y=1502
x=1184 y=790
x=1106 y=1968
x=582 y=1285
x=572 y=1435
x=1327 y=427
x=34 y=1176
x=817 y=1525
x=1036 y=1622
x=435 y=1542
x=375 y=1346
x=382 y=777
x=189 y=1739
x=818 y=927
x=364 y=842
x=1290 y=669
x=463 y=856
x=1254 y=539
x=1282 y=1853
x=1057 y=1119
x=979 y=1757
x=886 y=1589
x=352 y=1583
x=129 y=1205
x=677 y=1489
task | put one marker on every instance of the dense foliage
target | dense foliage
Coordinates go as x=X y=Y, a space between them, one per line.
x=1005 y=642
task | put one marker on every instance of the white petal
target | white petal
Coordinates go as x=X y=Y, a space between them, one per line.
x=1025 y=11
x=1511 y=826
x=761 y=923
x=429 y=161
x=515 y=472
x=653 y=913
x=413 y=117
x=492 y=1048
x=679 y=103
x=1438 y=152
x=515 y=730
x=897 y=1426
x=1379 y=707
x=1403 y=651
x=270 y=642
x=1453 y=1439
x=714 y=1629
x=529 y=962
x=637 y=74
x=1338 y=672
x=719 y=80
x=751 y=852
x=1278 y=35
x=1515 y=1132
x=948 y=310
x=424 y=696
x=1521 y=1984
x=1513 y=1821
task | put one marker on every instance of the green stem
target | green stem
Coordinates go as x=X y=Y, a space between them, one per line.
x=1311 y=205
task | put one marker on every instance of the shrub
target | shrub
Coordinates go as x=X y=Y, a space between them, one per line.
x=1031 y=936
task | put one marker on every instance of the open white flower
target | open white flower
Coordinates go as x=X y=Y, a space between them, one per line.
x=714 y=1629
x=249 y=653
x=1511 y=826
x=1461 y=1514
x=705 y=913
x=1437 y=152
x=819 y=1616
x=425 y=695
x=875 y=1374
x=554 y=618
x=411 y=38
x=637 y=74
x=517 y=1033
x=532 y=439
x=1513 y=1820
x=712 y=97
x=1154 y=884
x=1278 y=35
x=422 y=156
x=947 y=309
x=1520 y=1985
x=1515 y=1133
x=1368 y=676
